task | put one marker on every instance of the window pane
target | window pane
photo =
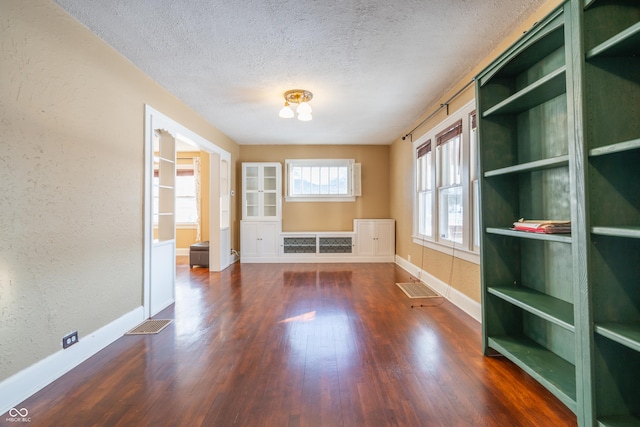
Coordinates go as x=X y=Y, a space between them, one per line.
x=185 y=186
x=333 y=180
x=306 y=181
x=424 y=172
x=319 y=180
x=425 y=214
x=343 y=180
x=324 y=180
x=295 y=180
x=186 y=209
x=186 y=206
x=449 y=158
x=450 y=214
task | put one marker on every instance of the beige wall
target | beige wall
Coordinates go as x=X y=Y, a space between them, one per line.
x=298 y=216
x=71 y=167
x=461 y=275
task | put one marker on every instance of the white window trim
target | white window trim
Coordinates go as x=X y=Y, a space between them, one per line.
x=464 y=251
x=457 y=250
x=350 y=163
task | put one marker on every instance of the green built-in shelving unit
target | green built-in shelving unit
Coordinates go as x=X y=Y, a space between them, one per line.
x=559 y=129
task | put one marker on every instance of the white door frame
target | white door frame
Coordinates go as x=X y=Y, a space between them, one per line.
x=219 y=238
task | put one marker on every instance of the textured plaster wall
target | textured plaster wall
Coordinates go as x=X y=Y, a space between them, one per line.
x=71 y=168
x=462 y=275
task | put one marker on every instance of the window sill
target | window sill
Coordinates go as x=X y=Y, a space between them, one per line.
x=449 y=249
x=186 y=226
x=319 y=199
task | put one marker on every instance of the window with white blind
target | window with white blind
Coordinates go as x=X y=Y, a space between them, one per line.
x=448 y=164
x=445 y=200
x=424 y=187
x=323 y=180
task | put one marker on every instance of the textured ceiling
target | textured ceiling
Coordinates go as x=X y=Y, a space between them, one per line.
x=373 y=66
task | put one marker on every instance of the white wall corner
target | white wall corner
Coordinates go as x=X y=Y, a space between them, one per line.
x=29 y=381
x=460 y=300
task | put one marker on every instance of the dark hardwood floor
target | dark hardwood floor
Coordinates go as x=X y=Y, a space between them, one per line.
x=299 y=345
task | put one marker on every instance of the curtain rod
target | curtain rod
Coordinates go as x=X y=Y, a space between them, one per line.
x=444 y=104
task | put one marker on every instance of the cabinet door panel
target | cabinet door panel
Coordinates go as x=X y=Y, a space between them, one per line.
x=365 y=234
x=385 y=238
x=249 y=239
x=268 y=236
x=261 y=192
x=251 y=178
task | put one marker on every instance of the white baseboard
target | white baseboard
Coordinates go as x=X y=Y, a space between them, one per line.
x=182 y=252
x=466 y=304
x=316 y=259
x=27 y=382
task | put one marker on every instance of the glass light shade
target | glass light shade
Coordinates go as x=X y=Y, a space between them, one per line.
x=286 y=112
x=304 y=108
x=304 y=117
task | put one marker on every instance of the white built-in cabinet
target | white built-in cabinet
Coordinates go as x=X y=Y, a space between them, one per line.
x=262 y=239
x=375 y=237
x=261 y=191
x=259 y=239
x=261 y=211
x=373 y=240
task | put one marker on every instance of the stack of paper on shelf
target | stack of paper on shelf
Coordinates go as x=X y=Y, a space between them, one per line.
x=542 y=226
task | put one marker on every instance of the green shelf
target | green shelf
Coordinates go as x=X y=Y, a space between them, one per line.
x=560 y=238
x=633 y=144
x=559 y=138
x=553 y=162
x=625 y=43
x=627 y=334
x=619 y=421
x=549 y=369
x=547 y=307
x=544 y=89
x=632 y=232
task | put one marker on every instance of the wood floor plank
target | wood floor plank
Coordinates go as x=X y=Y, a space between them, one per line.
x=299 y=345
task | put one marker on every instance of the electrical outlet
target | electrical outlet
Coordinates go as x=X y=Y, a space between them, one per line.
x=70 y=339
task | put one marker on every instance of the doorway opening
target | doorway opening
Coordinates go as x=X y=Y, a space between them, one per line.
x=164 y=140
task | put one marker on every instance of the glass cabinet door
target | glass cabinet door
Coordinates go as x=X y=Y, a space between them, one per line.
x=252 y=191
x=261 y=196
x=269 y=193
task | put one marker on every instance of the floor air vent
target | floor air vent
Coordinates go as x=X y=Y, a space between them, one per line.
x=417 y=290
x=149 y=327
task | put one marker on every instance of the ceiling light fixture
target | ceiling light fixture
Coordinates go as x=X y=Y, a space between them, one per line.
x=300 y=97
